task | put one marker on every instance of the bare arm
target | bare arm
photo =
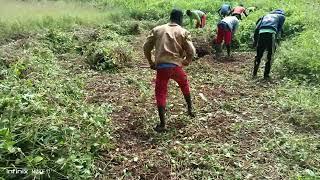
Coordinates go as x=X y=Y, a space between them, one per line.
x=197 y=17
x=245 y=13
x=219 y=12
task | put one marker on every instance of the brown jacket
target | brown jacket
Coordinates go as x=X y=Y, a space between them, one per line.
x=172 y=44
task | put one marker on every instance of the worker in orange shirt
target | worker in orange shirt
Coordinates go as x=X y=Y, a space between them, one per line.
x=238 y=11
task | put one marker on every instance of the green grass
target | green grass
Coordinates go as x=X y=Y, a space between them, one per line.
x=27 y=16
x=45 y=121
x=302 y=104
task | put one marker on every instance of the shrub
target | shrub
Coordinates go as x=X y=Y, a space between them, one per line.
x=108 y=55
x=293 y=26
x=303 y=103
x=298 y=58
x=45 y=121
x=125 y=28
x=59 y=42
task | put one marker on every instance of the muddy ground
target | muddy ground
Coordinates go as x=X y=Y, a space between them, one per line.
x=227 y=138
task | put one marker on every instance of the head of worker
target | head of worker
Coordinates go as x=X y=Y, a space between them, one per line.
x=278 y=11
x=176 y=16
x=188 y=12
x=241 y=4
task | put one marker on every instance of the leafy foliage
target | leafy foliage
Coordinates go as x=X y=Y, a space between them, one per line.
x=108 y=55
x=299 y=58
x=45 y=121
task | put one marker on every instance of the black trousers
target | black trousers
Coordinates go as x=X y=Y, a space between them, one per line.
x=266 y=41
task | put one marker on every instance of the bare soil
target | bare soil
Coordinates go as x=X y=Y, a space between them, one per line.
x=226 y=125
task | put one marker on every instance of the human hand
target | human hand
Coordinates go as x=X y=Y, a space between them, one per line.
x=185 y=63
x=153 y=66
x=254 y=45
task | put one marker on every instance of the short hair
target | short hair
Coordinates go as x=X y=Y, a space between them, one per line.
x=188 y=12
x=278 y=11
x=176 y=16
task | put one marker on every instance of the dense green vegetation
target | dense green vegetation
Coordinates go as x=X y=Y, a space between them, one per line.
x=51 y=50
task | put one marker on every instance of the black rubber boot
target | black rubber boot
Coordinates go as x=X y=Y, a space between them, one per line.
x=256 y=67
x=218 y=49
x=161 y=127
x=267 y=70
x=189 y=104
x=228 y=49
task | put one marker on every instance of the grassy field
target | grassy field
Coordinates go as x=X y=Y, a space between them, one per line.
x=29 y=16
x=75 y=103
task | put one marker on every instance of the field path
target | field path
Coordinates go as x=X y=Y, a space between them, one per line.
x=228 y=138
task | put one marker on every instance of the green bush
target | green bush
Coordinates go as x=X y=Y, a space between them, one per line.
x=58 y=41
x=125 y=28
x=299 y=58
x=303 y=103
x=108 y=55
x=46 y=122
x=294 y=25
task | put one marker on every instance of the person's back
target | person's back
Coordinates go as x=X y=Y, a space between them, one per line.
x=272 y=21
x=200 y=13
x=232 y=22
x=170 y=42
x=239 y=10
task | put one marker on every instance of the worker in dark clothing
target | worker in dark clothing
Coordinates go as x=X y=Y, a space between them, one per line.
x=268 y=30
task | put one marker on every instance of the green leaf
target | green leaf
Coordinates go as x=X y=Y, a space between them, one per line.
x=79 y=167
x=3 y=131
x=8 y=145
x=60 y=161
x=310 y=172
x=38 y=159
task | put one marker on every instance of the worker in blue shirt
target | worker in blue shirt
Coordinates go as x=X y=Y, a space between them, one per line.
x=224 y=10
x=269 y=28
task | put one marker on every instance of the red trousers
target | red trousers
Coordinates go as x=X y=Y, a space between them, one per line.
x=163 y=76
x=223 y=34
x=203 y=22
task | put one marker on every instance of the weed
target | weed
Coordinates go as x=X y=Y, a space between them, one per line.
x=108 y=55
x=44 y=118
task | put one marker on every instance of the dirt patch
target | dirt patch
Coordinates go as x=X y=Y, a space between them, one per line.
x=15 y=37
x=203 y=46
x=221 y=120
